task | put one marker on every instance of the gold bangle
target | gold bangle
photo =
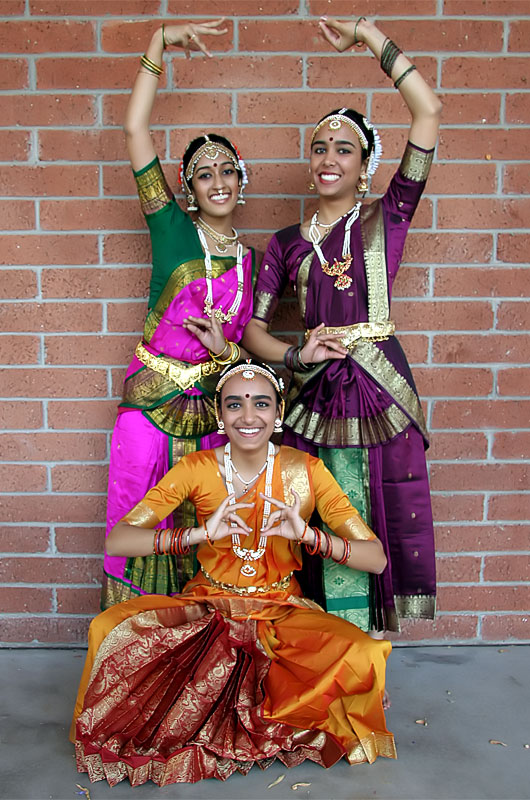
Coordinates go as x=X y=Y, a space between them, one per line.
x=216 y=356
x=150 y=66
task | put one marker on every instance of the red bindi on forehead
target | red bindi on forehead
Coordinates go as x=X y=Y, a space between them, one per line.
x=247 y=396
x=215 y=164
x=331 y=138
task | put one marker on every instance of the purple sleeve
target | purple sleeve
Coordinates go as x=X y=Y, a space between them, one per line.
x=401 y=200
x=272 y=281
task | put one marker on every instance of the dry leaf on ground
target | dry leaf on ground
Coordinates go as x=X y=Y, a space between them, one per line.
x=278 y=780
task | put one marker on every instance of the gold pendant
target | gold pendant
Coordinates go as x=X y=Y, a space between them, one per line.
x=342 y=282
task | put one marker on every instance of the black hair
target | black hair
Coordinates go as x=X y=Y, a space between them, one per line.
x=194 y=145
x=359 y=120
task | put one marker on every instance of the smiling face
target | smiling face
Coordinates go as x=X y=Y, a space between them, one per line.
x=248 y=410
x=336 y=162
x=216 y=186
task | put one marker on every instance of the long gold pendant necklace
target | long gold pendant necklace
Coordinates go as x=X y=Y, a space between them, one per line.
x=208 y=301
x=338 y=268
x=247 y=554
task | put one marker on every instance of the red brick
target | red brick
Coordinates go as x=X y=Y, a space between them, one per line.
x=279 y=178
x=53 y=446
x=443 y=629
x=450 y=508
x=477 y=8
x=330 y=72
x=456 y=446
x=14 y=7
x=289 y=107
x=87 y=73
x=458 y=569
x=18 y=478
x=516 y=178
x=20 y=415
x=509 y=506
x=79 y=350
x=24 y=539
x=507 y=568
x=506 y=627
x=18 y=284
x=118 y=179
x=118 y=377
x=443 y=248
x=85 y=478
x=45 y=629
x=54 y=509
x=95 y=283
x=462 y=349
x=478 y=538
x=14 y=74
x=81 y=8
x=519 y=35
x=513 y=248
x=80 y=540
x=267 y=142
x=415 y=346
x=18 y=600
x=126 y=248
x=515 y=382
x=48 y=249
x=211 y=8
x=132 y=36
x=479 y=477
x=17 y=214
x=50 y=570
x=378 y=8
x=480 y=73
x=50 y=180
x=511 y=445
x=450 y=315
x=85 y=145
x=19 y=349
x=14 y=145
x=175 y=106
x=411 y=282
x=471 y=179
x=483 y=598
x=47 y=109
x=81 y=414
x=453 y=382
x=457 y=109
x=241 y=72
x=481 y=213
x=481 y=282
x=477 y=414
x=492 y=144
x=46 y=317
x=47 y=37
x=269 y=214
x=53 y=383
x=122 y=317
x=74 y=601
x=517 y=110
x=67 y=215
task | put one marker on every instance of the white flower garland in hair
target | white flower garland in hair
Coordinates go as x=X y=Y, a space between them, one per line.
x=377 y=151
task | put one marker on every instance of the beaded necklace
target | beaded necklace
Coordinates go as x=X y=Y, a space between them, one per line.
x=338 y=268
x=208 y=302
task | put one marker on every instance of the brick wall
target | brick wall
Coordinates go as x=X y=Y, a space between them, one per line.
x=74 y=278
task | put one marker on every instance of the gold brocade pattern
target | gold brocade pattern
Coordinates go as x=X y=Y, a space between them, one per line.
x=113 y=591
x=264 y=305
x=180 y=373
x=295 y=476
x=181 y=276
x=369 y=747
x=350 y=432
x=355 y=528
x=418 y=606
x=153 y=189
x=141 y=516
x=373 y=237
x=376 y=364
x=302 y=282
x=415 y=165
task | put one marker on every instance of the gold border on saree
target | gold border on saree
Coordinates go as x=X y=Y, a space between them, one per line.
x=183 y=375
x=360 y=331
x=245 y=590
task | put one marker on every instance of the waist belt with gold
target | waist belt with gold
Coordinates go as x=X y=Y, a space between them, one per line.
x=183 y=375
x=350 y=335
x=244 y=590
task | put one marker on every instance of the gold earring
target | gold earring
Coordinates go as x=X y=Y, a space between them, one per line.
x=192 y=202
x=277 y=425
x=362 y=186
x=311 y=187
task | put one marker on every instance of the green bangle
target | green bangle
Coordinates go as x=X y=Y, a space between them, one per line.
x=355 y=39
x=402 y=77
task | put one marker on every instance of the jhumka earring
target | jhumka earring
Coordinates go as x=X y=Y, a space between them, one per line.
x=362 y=186
x=277 y=425
x=192 y=202
x=311 y=187
x=220 y=427
x=240 y=199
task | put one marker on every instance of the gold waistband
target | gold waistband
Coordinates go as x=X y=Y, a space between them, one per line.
x=244 y=590
x=360 y=331
x=184 y=375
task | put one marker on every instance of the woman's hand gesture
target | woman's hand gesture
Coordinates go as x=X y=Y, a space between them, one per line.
x=208 y=331
x=189 y=36
x=342 y=35
x=322 y=347
x=286 y=521
x=219 y=524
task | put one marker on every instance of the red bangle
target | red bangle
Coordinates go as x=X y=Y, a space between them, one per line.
x=329 y=545
x=347 y=552
x=207 y=536
x=316 y=547
x=301 y=539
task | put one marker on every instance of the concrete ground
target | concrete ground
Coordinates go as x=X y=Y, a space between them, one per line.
x=467 y=695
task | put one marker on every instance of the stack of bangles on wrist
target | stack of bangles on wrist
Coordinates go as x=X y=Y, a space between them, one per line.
x=228 y=355
x=389 y=53
x=324 y=546
x=169 y=541
x=150 y=66
x=293 y=361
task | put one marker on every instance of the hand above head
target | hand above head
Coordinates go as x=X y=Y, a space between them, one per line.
x=208 y=331
x=189 y=36
x=322 y=346
x=342 y=35
x=286 y=520
x=220 y=525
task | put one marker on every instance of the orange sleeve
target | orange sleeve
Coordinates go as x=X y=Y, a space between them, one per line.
x=333 y=505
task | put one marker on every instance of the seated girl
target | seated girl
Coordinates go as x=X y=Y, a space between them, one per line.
x=240 y=668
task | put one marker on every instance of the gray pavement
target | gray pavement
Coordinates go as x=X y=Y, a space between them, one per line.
x=467 y=695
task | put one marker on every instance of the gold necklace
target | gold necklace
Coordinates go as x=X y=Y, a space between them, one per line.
x=338 y=268
x=222 y=242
